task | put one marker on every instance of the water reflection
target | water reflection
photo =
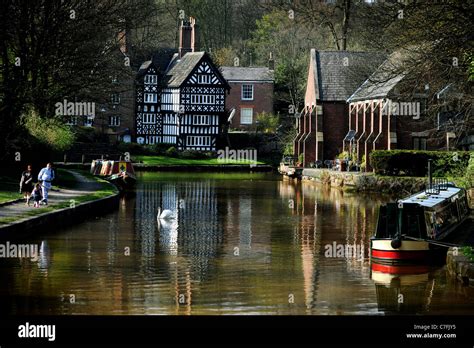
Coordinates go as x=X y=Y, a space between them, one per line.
x=246 y=244
x=403 y=289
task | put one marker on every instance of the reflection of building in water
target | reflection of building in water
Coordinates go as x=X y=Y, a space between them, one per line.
x=403 y=289
x=44 y=257
x=200 y=232
x=332 y=217
x=310 y=241
x=307 y=234
x=194 y=233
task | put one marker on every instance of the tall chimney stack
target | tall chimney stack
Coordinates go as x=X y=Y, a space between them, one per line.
x=271 y=62
x=187 y=37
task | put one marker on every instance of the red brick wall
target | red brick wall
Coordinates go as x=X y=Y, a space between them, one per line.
x=263 y=102
x=335 y=128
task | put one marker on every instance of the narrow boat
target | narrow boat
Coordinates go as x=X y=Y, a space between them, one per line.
x=413 y=229
x=287 y=167
x=120 y=173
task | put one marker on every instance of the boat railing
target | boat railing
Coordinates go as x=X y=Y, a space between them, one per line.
x=435 y=185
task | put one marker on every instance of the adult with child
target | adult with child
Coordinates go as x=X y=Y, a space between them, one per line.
x=46 y=177
x=26 y=184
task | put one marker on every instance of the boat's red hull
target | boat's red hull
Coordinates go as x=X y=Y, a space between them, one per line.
x=381 y=251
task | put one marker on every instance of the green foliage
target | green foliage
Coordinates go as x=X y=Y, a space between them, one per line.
x=343 y=155
x=268 y=122
x=468 y=252
x=51 y=132
x=362 y=163
x=172 y=152
x=301 y=158
x=88 y=135
x=193 y=154
x=415 y=163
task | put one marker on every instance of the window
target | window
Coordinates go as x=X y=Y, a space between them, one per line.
x=198 y=141
x=200 y=120
x=149 y=118
x=247 y=92
x=204 y=79
x=115 y=98
x=419 y=143
x=72 y=121
x=203 y=99
x=151 y=79
x=89 y=121
x=114 y=121
x=151 y=98
x=246 y=116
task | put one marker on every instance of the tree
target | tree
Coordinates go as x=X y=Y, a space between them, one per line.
x=51 y=51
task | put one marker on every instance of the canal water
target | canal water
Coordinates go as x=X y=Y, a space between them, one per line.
x=239 y=244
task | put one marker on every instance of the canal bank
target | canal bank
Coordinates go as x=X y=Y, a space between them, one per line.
x=363 y=182
x=215 y=168
x=89 y=198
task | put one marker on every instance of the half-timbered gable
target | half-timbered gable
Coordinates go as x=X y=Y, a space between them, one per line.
x=194 y=101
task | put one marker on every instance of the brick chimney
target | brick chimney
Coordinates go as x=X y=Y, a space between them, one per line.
x=188 y=41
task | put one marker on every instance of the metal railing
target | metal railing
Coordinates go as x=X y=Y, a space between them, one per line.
x=435 y=185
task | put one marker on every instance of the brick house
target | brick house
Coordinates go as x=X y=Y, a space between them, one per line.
x=114 y=116
x=381 y=119
x=251 y=94
x=333 y=76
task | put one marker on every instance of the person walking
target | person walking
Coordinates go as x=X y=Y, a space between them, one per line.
x=46 y=176
x=26 y=184
x=36 y=193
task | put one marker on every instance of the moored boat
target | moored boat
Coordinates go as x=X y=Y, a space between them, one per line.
x=415 y=228
x=120 y=173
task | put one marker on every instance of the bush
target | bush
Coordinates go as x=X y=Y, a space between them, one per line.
x=49 y=131
x=193 y=154
x=343 y=155
x=172 y=152
x=267 y=122
x=415 y=163
x=159 y=149
x=133 y=148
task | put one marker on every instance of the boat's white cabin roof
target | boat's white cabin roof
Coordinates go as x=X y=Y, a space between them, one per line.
x=430 y=200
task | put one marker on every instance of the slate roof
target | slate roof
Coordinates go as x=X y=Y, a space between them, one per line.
x=160 y=59
x=258 y=74
x=176 y=70
x=182 y=68
x=382 y=82
x=338 y=77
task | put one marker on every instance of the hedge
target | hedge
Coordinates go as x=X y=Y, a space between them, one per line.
x=415 y=163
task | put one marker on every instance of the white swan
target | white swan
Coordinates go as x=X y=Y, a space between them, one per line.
x=164 y=215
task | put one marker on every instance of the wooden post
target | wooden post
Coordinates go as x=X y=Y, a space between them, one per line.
x=83 y=158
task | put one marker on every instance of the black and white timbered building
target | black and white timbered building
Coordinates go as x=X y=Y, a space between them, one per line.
x=180 y=98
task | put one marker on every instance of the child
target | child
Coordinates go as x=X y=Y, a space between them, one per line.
x=37 y=195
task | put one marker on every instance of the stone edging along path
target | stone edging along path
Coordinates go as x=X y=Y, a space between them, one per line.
x=54 y=220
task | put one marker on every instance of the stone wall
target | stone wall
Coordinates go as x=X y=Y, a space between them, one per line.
x=364 y=181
